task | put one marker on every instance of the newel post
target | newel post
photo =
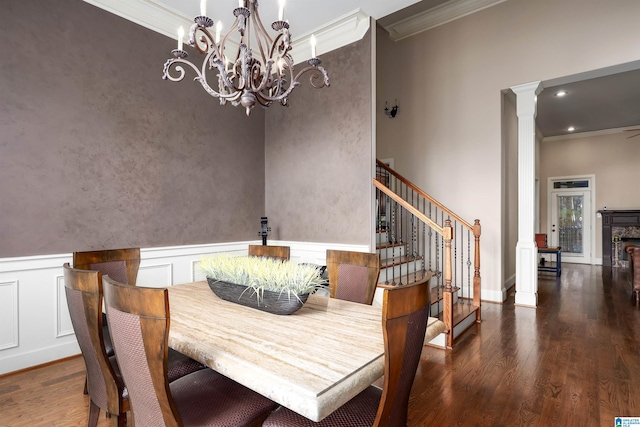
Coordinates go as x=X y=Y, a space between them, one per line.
x=447 y=295
x=476 y=269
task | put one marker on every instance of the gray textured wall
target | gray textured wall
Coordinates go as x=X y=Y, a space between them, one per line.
x=97 y=151
x=318 y=154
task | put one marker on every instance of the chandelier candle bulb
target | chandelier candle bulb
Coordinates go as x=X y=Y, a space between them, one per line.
x=180 y=36
x=313 y=46
x=218 y=30
x=203 y=7
x=281 y=11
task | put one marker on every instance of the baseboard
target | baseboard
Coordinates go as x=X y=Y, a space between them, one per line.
x=492 y=295
x=40 y=356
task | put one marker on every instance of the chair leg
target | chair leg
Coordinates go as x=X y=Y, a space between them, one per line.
x=94 y=413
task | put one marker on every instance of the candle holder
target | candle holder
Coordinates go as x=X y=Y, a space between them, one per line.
x=203 y=21
x=179 y=53
x=279 y=25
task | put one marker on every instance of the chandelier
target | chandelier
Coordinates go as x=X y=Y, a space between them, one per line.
x=262 y=73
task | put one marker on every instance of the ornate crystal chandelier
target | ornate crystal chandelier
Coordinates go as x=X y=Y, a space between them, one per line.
x=246 y=78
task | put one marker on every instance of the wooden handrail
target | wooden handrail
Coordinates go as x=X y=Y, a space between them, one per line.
x=425 y=195
x=380 y=186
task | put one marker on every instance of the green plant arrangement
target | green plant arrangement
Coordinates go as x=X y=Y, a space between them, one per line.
x=265 y=282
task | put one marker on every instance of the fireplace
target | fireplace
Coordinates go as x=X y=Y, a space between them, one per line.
x=622 y=223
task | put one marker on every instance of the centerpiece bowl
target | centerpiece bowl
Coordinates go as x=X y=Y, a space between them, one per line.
x=271 y=285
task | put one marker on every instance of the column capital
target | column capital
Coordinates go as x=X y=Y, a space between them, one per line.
x=526 y=98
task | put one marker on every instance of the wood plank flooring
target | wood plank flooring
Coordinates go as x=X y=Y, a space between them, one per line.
x=574 y=361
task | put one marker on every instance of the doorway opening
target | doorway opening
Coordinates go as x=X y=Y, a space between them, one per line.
x=571 y=218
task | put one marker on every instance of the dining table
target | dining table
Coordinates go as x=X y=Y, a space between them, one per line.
x=312 y=361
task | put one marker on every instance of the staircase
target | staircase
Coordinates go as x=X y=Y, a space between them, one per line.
x=416 y=236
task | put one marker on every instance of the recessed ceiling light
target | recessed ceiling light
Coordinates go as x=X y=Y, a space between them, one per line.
x=571 y=128
x=561 y=93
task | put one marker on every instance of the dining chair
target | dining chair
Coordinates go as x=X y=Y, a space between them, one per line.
x=353 y=276
x=139 y=319
x=104 y=386
x=122 y=265
x=405 y=311
x=119 y=264
x=279 y=252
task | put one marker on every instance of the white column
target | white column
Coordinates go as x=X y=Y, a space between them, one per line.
x=526 y=249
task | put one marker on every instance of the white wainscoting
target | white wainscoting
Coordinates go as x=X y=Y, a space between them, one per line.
x=35 y=327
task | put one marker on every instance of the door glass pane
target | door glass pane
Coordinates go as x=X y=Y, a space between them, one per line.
x=570 y=212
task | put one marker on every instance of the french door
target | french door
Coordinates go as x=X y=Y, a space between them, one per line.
x=570 y=221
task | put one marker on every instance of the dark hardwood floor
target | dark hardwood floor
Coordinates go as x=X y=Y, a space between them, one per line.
x=574 y=361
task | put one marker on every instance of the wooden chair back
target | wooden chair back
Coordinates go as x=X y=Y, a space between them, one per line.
x=405 y=312
x=353 y=276
x=139 y=322
x=279 y=252
x=83 y=290
x=119 y=264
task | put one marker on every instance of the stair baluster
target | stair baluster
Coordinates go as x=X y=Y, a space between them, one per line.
x=411 y=219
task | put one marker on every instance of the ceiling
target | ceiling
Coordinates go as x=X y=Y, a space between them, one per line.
x=594 y=104
x=595 y=101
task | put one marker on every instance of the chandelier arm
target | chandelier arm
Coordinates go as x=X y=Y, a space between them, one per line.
x=266 y=76
x=262 y=100
x=225 y=38
x=222 y=75
x=166 y=74
x=283 y=97
x=207 y=39
x=262 y=37
x=258 y=22
x=283 y=47
x=316 y=73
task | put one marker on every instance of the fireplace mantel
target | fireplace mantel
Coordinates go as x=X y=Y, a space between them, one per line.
x=615 y=218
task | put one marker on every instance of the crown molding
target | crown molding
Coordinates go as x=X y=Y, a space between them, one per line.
x=439 y=15
x=587 y=134
x=148 y=14
x=161 y=19
x=340 y=32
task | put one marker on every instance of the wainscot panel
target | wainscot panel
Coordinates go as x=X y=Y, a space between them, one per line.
x=35 y=327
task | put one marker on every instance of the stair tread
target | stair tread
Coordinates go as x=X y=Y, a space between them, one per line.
x=389 y=245
x=462 y=311
x=390 y=262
